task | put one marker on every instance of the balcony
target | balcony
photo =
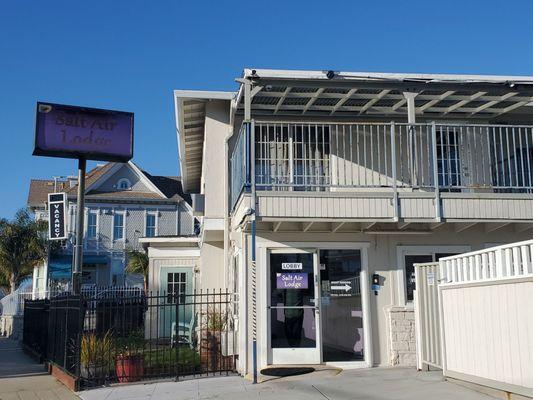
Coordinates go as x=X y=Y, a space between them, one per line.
x=388 y=172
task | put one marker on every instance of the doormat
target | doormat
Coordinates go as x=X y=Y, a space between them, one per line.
x=287 y=371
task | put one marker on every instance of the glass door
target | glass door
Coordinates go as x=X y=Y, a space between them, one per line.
x=293 y=308
x=341 y=306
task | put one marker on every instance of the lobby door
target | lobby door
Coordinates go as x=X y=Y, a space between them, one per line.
x=293 y=306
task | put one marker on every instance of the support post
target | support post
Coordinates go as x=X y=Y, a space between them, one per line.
x=394 y=171
x=435 y=171
x=251 y=130
x=80 y=206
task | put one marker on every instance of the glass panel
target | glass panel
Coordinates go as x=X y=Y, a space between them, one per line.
x=341 y=307
x=410 y=260
x=292 y=300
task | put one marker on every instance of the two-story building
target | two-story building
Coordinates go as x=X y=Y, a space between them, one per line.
x=122 y=204
x=324 y=188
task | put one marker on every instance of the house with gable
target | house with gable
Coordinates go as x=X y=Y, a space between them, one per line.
x=123 y=203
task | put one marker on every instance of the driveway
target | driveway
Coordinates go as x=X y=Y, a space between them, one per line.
x=332 y=384
x=23 y=378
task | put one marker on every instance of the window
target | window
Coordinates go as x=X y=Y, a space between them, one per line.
x=448 y=162
x=124 y=184
x=118 y=226
x=91 y=225
x=176 y=286
x=150 y=230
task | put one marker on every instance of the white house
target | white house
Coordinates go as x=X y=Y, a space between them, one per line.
x=318 y=190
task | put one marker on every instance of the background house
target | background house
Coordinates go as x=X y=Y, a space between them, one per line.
x=123 y=203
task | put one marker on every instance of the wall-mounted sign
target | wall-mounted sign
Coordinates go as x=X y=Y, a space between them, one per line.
x=291 y=266
x=341 y=288
x=79 y=132
x=57 y=207
x=430 y=278
x=291 y=280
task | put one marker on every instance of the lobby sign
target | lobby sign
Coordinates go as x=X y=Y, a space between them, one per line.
x=57 y=207
x=288 y=266
x=291 y=280
x=84 y=133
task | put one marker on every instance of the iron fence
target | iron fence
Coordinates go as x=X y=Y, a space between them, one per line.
x=135 y=336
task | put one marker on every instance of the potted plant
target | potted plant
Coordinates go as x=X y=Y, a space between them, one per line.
x=214 y=326
x=95 y=356
x=129 y=361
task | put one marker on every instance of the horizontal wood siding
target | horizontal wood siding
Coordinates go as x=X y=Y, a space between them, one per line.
x=423 y=208
x=325 y=207
x=488 y=208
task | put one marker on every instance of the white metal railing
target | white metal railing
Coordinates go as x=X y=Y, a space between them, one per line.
x=507 y=261
x=324 y=156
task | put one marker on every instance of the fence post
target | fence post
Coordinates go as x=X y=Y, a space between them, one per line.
x=499 y=263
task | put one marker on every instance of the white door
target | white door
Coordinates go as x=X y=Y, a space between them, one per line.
x=293 y=307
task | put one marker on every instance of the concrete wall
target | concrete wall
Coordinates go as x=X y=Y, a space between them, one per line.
x=383 y=259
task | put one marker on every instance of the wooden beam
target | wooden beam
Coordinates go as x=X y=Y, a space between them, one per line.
x=522 y=227
x=343 y=100
x=494 y=226
x=316 y=95
x=398 y=104
x=276 y=226
x=403 y=225
x=463 y=102
x=436 y=225
x=307 y=225
x=365 y=227
x=282 y=99
x=335 y=226
x=493 y=102
x=256 y=90
x=435 y=101
x=460 y=227
x=374 y=100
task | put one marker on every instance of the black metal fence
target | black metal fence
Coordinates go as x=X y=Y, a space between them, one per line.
x=133 y=336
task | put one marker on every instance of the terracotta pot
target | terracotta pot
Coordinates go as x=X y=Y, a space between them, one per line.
x=129 y=368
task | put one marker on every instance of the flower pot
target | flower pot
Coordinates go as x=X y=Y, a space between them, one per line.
x=129 y=368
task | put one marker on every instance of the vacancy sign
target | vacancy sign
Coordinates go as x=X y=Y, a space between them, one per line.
x=57 y=227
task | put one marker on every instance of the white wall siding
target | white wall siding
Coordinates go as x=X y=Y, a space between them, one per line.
x=489 y=207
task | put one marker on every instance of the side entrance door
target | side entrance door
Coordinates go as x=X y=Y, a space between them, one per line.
x=293 y=307
x=176 y=283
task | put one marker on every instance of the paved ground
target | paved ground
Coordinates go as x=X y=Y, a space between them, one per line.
x=368 y=384
x=22 y=378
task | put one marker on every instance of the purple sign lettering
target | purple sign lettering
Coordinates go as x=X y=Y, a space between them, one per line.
x=77 y=132
x=291 y=280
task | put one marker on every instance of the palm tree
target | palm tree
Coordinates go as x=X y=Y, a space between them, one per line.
x=138 y=264
x=22 y=246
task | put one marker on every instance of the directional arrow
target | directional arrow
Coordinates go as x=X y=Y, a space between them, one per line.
x=344 y=287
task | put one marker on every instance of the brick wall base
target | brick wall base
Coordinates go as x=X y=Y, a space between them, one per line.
x=402 y=336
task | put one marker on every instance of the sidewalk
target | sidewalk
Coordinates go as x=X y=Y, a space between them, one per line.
x=327 y=384
x=23 y=378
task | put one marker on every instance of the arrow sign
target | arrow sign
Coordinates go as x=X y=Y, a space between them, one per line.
x=344 y=287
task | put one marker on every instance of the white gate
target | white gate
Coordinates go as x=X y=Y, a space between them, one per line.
x=427 y=323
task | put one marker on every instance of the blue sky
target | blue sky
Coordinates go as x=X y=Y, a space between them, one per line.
x=130 y=55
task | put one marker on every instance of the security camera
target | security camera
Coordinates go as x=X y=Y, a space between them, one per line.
x=330 y=74
x=268 y=88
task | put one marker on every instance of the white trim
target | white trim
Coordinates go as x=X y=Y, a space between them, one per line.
x=402 y=251
x=191 y=239
x=204 y=94
x=145 y=180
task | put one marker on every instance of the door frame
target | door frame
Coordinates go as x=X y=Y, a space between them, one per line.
x=308 y=354
x=264 y=246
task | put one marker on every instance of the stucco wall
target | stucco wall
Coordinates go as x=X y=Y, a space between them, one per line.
x=382 y=252
x=212 y=274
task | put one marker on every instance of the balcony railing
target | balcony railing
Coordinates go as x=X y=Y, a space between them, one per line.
x=343 y=156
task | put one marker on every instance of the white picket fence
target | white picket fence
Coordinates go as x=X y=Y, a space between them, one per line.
x=485 y=303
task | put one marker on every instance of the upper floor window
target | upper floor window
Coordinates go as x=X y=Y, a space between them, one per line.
x=91 y=225
x=118 y=226
x=124 y=184
x=150 y=224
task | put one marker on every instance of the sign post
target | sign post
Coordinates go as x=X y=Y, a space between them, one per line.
x=84 y=134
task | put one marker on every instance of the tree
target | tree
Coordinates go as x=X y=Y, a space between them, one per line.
x=138 y=264
x=22 y=246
